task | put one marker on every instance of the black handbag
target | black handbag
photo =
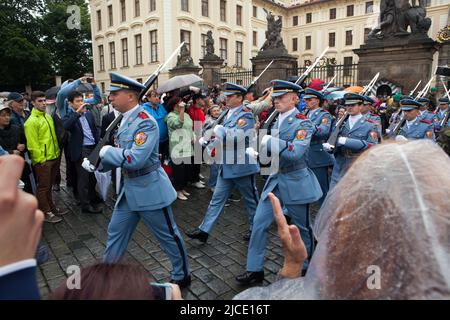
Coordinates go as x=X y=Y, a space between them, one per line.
x=61 y=133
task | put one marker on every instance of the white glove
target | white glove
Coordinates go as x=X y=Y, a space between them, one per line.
x=220 y=131
x=327 y=147
x=265 y=139
x=202 y=141
x=388 y=131
x=87 y=165
x=342 y=141
x=103 y=151
x=400 y=138
x=251 y=152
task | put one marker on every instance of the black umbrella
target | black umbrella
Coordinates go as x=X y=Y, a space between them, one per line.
x=51 y=93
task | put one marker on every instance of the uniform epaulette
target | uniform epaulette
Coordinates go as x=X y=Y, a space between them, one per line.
x=426 y=121
x=143 y=115
x=371 y=121
x=245 y=109
x=301 y=116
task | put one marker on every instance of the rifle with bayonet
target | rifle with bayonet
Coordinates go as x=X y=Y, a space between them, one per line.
x=225 y=112
x=94 y=157
x=271 y=119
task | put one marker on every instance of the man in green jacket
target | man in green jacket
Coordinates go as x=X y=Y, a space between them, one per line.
x=43 y=147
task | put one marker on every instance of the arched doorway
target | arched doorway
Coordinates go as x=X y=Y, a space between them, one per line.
x=383 y=87
x=384 y=90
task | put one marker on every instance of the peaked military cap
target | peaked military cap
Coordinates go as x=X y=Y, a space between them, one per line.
x=311 y=93
x=424 y=100
x=119 y=82
x=353 y=98
x=409 y=104
x=231 y=88
x=368 y=100
x=443 y=100
x=281 y=87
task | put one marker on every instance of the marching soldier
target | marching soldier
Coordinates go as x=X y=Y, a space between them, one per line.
x=425 y=112
x=358 y=134
x=441 y=113
x=236 y=170
x=415 y=127
x=294 y=183
x=318 y=159
x=366 y=111
x=146 y=192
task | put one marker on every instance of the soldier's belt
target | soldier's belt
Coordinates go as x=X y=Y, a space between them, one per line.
x=141 y=172
x=291 y=168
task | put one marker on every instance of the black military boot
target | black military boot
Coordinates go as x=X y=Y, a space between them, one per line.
x=198 y=234
x=249 y=277
x=183 y=283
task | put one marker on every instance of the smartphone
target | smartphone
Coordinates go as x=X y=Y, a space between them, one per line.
x=166 y=288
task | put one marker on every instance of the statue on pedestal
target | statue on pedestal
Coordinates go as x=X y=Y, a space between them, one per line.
x=184 y=59
x=274 y=41
x=397 y=15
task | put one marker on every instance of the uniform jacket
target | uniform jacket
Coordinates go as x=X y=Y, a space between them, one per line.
x=362 y=136
x=322 y=122
x=420 y=129
x=236 y=163
x=137 y=151
x=297 y=183
x=41 y=137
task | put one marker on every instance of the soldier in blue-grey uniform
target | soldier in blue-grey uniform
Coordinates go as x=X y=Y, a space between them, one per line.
x=425 y=113
x=237 y=169
x=146 y=192
x=319 y=160
x=441 y=112
x=415 y=127
x=366 y=111
x=357 y=135
x=293 y=183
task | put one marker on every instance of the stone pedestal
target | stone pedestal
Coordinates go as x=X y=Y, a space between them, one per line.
x=210 y=66
x=282 y=68
x=179 y=71
x=403 y=61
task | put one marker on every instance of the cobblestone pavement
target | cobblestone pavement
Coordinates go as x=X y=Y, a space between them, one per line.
x=80 y=240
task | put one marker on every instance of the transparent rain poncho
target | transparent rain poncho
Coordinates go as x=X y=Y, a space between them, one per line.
x=383 y=232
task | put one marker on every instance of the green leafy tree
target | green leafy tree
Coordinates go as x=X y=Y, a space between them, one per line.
x=70 y=47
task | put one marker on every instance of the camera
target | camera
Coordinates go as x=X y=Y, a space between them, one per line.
x=162 y=291
x=89 y=79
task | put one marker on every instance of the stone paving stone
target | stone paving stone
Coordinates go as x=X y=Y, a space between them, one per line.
x=224 y=260
x=52 y=271
x=198 y=287
x=206 y=261
x=204 y=275
x=218 y=286
x=55 y=283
